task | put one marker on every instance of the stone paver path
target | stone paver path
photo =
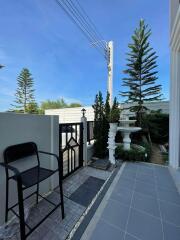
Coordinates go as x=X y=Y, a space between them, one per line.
x=143 y=204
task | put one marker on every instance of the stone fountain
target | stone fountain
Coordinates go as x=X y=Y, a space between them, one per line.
x=126 y=129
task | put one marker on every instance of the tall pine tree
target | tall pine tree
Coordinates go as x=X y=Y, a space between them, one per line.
x=25 y=93
x=141 y=74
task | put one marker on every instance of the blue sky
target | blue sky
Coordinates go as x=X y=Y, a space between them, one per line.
x=38 y=35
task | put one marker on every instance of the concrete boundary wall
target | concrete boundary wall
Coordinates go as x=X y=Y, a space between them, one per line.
x=19 y=128
x=69 y=115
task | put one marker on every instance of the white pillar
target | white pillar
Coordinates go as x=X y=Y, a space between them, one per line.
x=111 y=142
x=174 y=131
x=84 y=121
x=110 y=72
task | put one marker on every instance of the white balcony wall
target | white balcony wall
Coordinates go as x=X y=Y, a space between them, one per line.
x=175 y=86
x=174 y=5
x=19 y=128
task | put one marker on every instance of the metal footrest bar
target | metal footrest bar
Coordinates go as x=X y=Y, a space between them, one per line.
x=31 y=229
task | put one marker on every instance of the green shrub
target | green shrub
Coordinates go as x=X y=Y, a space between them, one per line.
x=134 y=154
x=157 y=124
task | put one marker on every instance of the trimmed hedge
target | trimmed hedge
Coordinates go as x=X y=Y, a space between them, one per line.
x=141 y=153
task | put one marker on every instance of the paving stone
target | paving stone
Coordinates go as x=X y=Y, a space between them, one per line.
x=144 y=226
x=145 y=203
x=171 y=232
x=145 y=170
x=167 y=195
x=125 y=183
x=170 y=212
x=122 y=195
x=145 y=178
x=106 y=232
x=128 y=174
x=116 y=214
x=130 y=237
x=145 y=188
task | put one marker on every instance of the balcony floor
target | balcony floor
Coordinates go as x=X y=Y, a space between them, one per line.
x=79 y=190
x=142 y=204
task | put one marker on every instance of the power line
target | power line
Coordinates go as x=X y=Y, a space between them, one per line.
x=70 y=12
x=85 y=27
x=93 y=25
x=84 y=19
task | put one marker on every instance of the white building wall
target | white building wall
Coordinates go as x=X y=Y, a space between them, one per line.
x=68 y=115
x=175 y=86
x=174 y=5
x=153 y=106
x=19 y=128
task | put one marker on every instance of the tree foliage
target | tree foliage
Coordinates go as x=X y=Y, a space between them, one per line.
x=57 y=104
x=25 y=100
x=102 y=115
x=157 y=124
x=114 y=112
x=141 y=71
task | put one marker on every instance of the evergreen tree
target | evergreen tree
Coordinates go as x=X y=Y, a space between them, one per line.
x=25 y=93
x=141 y=74
x=98 y=126
x=114 y=112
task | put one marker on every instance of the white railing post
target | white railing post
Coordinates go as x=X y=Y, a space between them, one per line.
x=84 y=121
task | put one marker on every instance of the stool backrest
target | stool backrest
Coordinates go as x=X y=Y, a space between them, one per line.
x=23 y=150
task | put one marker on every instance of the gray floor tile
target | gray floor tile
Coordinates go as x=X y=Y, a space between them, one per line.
x=130 y=237
x=170 y=212
x=145 y=203
x=131 y=167
x=128 y=174
x=171 y=232
x=144 y=226
x=125 y=183
x=167 y=184
x=145 y=188
x=144 y=165
x=145 y=170
x=123 y=195
x=170 y=196
x=146 y=178
x=116 y=214
x=106 y=232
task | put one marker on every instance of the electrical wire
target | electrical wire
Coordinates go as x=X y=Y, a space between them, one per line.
x=86 y=27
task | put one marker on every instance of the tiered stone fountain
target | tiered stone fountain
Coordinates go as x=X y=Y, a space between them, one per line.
x=125 y=129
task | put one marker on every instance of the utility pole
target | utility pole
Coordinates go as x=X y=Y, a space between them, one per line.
x=109 y=58
x=110 y=71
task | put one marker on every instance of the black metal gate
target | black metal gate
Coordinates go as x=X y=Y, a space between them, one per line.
x=71 y=147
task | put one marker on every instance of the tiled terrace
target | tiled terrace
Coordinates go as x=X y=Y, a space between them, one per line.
x=141 y=204
x=79 y=190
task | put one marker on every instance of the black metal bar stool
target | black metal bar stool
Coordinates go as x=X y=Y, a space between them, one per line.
x=27 y=179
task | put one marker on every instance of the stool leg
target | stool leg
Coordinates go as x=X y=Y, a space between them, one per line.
x=7 y=200
x=61 y=190
x=21 y=209
x=37 y=194
x=61 y=198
